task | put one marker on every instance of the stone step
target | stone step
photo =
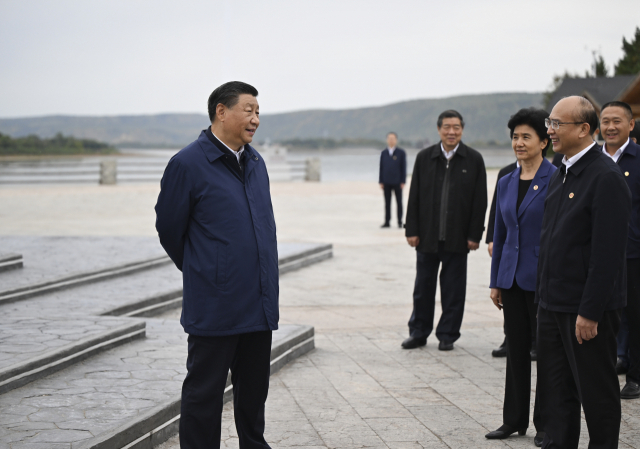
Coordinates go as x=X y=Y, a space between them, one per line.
x=33 y=348
x=144 y=294
x=80 y=278
x=126 y=397
x=10 y=262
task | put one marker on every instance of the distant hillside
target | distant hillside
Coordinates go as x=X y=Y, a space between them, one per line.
x=486 y=119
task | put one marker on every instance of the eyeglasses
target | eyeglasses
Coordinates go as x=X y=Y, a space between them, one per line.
x=555 y=124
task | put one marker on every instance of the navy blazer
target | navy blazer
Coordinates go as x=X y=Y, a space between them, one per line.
x=516 y=239
x=220 y=231
x=393 y=169
x=629 y=164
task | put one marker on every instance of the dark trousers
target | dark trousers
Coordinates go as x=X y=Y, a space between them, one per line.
x=208 y=363
x=632 y=311
x=623 y=335
x=388 y=189
x=572 y=374
x=453 y=288
x=519 y=322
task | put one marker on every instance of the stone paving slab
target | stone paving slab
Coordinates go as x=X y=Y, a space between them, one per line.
x=32 y=348
x=127 y=294
x=102 y=399
x=48 y=258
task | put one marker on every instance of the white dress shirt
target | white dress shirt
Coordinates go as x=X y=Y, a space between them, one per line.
x=391 y=150
x=575 y=158
x=237 y=153
x=617 y=154
x=449 y=154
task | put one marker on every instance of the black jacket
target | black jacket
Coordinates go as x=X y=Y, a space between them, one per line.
x=629 y=164
x=467 y=202
x=504 y=171
x=582 y=262
x=557 y=159
x=393 y=169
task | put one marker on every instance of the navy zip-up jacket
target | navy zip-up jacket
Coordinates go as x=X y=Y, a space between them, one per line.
x=393 y=169
x=220 y=231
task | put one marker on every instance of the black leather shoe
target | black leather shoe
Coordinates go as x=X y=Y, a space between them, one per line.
x=400 y=225
x=538 y=439
x=621 y=367
x=534 y=355
x=503 y=432
x=501 y=351
x=445 y=346
x=413 y=342
x=386 y=225
x=630 y=391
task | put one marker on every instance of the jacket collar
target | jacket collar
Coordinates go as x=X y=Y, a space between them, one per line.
x=437 y=151
x=539 y=180
x=594 y=153
x=631 y=150
x=215 y=149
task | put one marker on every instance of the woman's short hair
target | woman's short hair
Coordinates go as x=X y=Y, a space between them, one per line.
x=535 y=118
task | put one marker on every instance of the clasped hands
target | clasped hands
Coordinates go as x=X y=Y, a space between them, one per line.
x=586 y=329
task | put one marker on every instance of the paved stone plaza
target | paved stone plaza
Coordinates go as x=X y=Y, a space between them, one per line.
x=358 y=388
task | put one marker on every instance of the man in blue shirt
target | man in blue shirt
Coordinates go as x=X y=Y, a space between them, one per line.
x=215 y=220
x=393 y=176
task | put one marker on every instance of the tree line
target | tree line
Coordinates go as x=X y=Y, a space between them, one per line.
x=57 y=145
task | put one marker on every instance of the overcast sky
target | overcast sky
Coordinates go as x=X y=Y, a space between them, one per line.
x=111 y=57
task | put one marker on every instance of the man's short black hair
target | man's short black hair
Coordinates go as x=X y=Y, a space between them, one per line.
x=534 y=118
x=450 y=113
x=228 y=94
x=392 y=132
x=586 y=113
x=619 y=104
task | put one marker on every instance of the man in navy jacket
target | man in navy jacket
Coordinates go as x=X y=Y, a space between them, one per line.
x=616 y=122
x=581 y=284
x=393 y=176
x=215 y=220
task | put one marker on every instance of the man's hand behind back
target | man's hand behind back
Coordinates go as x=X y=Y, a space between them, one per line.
x=586 y=329
x=413 y=241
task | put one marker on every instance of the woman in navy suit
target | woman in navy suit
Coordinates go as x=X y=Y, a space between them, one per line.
x=516 y=243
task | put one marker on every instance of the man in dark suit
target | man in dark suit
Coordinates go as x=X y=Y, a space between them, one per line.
x=616 y=123
x=502 y=350
x=393 y=176
x=445 y=220
x=581 y=284
x=215 y=220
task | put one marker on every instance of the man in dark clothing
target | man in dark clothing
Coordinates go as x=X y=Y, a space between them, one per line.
x=393 y=176
x=616 y=123
x=581 y=284
x=445 y=219
x=215 y=220
x=504 y=171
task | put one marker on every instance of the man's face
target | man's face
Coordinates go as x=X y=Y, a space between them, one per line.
x=242 y=120
x=615 y=126
x=451 y=131
x=567 y=136
x=392 y=140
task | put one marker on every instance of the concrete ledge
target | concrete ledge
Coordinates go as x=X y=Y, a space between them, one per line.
x=80 y=278
x=160 y=423
x=10 y=262
x=46 y=363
